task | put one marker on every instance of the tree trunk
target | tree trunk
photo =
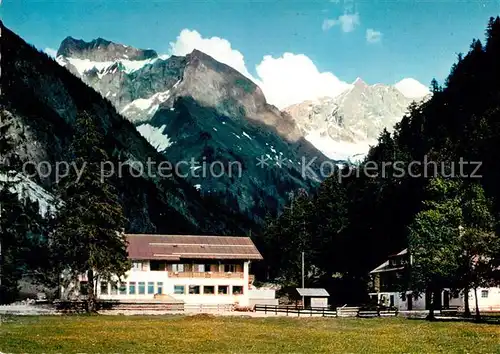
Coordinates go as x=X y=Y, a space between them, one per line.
x=466 y=303
x=431 y=316
x=91 y=300
x=478 y=315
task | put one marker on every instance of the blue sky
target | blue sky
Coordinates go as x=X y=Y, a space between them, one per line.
x=411 y=39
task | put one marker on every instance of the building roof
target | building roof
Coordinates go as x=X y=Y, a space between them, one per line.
x=384 y=267
x=403 y=252
x=312 y=292
x=177 y=247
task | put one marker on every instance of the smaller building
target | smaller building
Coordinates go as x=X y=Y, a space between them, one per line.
x=314 y=297
x=387 y=290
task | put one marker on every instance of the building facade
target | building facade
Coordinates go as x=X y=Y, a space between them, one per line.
x=189 y=269
x=387 y=278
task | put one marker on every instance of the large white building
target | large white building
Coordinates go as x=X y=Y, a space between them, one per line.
x=191 y=269
x=387 y=275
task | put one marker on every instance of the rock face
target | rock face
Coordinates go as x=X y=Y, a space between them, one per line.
x=40 y=100
x=194 y=108
x=344 y=127
x=101 y=50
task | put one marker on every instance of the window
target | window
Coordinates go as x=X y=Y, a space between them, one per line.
x=123 y=288
x=178 y=268
x=237 y=290
x=208 y=289
x=142 y=288
x=114 y=288
x=158 y=266
x=179 y=289
x=104 y=288
x=151 y=287
x=137 y=266
x=223 y=289
x=484 y=293
x=194 y=289
x=83 y=288
x=229 y=267
x=131 y=288
x=202 y=268
x=159 y=285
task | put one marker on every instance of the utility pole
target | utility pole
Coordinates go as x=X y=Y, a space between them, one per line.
x=1 y=238
x=303 y=304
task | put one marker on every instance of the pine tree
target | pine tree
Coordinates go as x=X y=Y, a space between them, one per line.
x=435 y=86
x=88 y=237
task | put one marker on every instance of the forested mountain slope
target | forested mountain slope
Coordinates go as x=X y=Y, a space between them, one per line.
x=40 y=101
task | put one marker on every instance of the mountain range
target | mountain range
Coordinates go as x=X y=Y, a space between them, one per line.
x=196 y=113
x=345 y=126
x=139 y=82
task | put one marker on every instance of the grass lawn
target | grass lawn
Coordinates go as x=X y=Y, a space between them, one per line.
x=207 y=334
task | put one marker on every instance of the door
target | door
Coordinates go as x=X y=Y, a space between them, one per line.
x=428 y=298
x=446 y=299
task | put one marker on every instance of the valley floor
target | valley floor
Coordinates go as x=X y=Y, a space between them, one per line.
x=209 y=334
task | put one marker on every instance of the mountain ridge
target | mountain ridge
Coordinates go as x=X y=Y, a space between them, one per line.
x=100 y=49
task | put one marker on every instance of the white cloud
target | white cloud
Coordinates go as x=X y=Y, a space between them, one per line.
x=293 y=78
x=218 y=48
x=373 y=36
x=347 y=22
x=286 y=80
x=50 y=51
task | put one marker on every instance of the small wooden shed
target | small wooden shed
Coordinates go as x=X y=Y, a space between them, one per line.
x=314 y=297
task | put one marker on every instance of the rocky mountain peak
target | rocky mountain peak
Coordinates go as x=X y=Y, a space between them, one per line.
x=344 y=126
x=102 y=50
x=411 y=88
x=359 y=83
x=198 y=54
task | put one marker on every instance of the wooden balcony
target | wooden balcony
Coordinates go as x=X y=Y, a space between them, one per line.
x=234 y=275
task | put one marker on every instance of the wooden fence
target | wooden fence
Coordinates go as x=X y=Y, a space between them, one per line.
x=150 y=306
x=323 y=312
x=296 y=311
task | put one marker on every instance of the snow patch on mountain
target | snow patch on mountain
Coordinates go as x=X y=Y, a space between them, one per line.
x=143 y=109
x=248 y=136
x=85 y=65
x=339 y=150
x=26 y=189
x=155 y=136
